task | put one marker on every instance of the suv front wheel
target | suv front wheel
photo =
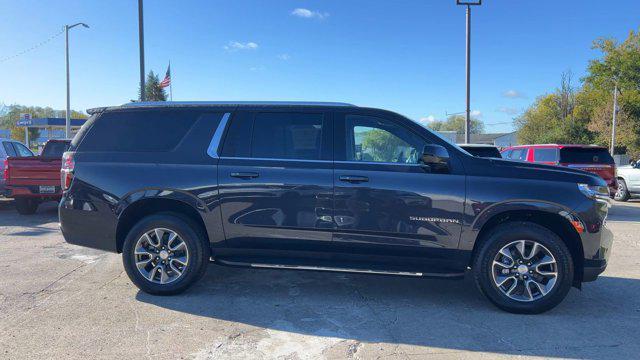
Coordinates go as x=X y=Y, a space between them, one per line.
x=523 y=268
x=164 y=254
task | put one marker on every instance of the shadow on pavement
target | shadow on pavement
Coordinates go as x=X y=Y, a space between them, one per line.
x=435 y=313
x=29 y=224
x=629 y=211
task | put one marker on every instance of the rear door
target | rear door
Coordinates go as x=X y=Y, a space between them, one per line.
x=276 y=181
x=387 y=206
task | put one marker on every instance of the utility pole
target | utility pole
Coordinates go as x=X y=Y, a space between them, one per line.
x=141 y=38
x=467 y=123
x=67 y=129
x=615 y=113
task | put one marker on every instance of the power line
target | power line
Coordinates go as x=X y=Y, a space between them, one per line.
x=42 y=43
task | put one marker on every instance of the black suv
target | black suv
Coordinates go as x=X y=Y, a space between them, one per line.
x=325 y=186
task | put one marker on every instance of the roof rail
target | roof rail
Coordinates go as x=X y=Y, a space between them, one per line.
x=231 y=103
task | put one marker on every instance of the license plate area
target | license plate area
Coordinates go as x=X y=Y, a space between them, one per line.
x=43 y=189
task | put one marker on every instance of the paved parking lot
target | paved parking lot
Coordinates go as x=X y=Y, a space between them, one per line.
x=62 y=301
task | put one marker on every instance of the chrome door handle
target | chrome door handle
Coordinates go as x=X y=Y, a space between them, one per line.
x=354 y=179
x=244 y=175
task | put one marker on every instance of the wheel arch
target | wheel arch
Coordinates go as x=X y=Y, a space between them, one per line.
x=559 y=221
x=148 y=202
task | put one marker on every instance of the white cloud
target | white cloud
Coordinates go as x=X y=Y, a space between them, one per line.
x=508 y=110
x=513 y=94
x=476 y=113
x=235 y=46
x=284 y=57
x=309 y=14
x=425 y=120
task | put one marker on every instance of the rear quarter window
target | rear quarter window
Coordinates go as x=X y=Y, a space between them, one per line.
x=139 y=130
x=545 y=155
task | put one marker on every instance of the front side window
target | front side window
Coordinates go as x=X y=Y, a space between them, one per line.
x=22 y=150
x=372 y=139
x=287 y=136
x=519 y=154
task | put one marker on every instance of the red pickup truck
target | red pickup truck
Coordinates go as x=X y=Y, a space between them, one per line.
x=36 y=179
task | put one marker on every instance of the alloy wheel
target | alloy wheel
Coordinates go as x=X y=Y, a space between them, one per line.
x=161 y=255
x=524 y=270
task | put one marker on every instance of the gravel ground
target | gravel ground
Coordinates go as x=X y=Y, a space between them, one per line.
x=62 y=301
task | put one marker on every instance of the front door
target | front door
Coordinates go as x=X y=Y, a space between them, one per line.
x=389 y=207
x=276 y=181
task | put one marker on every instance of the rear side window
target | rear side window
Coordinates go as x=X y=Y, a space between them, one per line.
x=545 y=155
x=287 y=136
x=154 y=130
x=22 y=150
x=585 y=156
x=55 y=149
x=8 y=148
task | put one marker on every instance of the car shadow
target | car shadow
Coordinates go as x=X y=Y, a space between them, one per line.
x=628 y=211
x=31 y=225
x=420 y=312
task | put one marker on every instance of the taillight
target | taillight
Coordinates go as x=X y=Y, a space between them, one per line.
x=5 y=172
x=66 y=172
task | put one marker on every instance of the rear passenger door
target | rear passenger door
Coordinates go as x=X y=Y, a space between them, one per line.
x=276 y=180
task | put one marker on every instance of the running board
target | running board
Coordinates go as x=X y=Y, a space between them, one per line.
x=333 y=269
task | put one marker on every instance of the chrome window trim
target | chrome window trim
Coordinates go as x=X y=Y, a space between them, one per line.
x=273 y=159
x=376 y=163
x=214 y=145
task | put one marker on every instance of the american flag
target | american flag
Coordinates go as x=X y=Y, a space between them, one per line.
x=167 y=78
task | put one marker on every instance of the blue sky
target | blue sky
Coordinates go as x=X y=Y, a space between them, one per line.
x=406 y=56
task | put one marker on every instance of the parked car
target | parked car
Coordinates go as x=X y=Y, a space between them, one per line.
x=327 y=187
x=628 y=182
x=31 y=180
x=10 y=148
x=591 y=158
x=482 y=150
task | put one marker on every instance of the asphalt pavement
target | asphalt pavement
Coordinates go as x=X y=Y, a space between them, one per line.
x=62 y=301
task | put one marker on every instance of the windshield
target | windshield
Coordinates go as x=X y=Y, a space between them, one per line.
x=576 y=155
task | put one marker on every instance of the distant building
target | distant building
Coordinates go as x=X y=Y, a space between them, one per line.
x=497 y=139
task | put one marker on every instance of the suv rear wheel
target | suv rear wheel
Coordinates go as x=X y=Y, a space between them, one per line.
x=164 y=254
x=523 y=268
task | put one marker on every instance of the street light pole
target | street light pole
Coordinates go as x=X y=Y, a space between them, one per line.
x=467 y=122
x=615 y=113
x=141 y=39
x=67 y=129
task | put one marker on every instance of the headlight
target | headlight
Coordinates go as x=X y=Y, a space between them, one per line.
x=594 y=191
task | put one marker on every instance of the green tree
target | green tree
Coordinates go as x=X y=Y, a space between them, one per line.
x=619 y=64
x=456 y=123
x=381 y=145
x=555 y=118
x=11 y=115
x=153 y=91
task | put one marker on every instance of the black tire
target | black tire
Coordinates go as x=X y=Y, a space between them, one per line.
x=193 y=237
x=507 y=233
x=26 y=206
x=622 y=194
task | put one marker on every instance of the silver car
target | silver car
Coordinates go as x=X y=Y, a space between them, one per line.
x=628 y=182
x=10 y=148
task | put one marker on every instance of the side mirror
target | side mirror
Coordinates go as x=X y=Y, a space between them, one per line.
x=436 y=157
